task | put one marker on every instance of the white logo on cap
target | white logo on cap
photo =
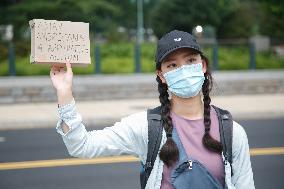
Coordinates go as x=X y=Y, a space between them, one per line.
x=177 y=39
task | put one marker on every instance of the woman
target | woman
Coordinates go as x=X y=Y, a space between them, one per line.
x=190 y=125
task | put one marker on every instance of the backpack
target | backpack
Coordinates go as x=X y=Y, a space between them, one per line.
x=155 y=131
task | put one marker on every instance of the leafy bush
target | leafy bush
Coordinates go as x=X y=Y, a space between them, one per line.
x=117 y=50
x=233 y=58
x=119 y=58
x=22 y=48
x=3 y=52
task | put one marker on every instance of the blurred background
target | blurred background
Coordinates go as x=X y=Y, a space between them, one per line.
x=125 y=31
x=243 y=39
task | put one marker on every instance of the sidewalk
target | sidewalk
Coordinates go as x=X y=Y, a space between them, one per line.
x=100 y=112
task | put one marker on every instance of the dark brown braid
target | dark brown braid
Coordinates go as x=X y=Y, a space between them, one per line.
x=169 y=153
x=207 y=140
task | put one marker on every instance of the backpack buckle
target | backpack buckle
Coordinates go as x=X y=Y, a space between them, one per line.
x=225 y=116
x=189 y=164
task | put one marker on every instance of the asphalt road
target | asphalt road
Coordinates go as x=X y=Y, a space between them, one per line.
x=45 y=144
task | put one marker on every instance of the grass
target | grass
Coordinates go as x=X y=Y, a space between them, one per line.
x=119 y=58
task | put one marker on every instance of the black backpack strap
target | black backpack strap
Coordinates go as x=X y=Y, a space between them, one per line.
x=226 y=133
x=155 y=131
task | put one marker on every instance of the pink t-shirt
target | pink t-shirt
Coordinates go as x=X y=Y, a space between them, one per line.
x=190 y=133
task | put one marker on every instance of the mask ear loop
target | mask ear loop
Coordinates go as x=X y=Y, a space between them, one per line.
x=170 y=95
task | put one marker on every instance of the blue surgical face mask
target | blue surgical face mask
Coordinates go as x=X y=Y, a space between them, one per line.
x=186 y=81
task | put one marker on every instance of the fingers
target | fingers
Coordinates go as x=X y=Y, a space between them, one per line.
x=51 y=73
x=54 y=72
x=69 y=67
x=55 y=69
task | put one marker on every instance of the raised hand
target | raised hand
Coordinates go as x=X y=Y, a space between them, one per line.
x=62 y=82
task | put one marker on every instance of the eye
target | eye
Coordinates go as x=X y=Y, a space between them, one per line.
x=171 y=65
x=191 y=60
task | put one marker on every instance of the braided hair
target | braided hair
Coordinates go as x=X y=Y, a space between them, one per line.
x=169 y=153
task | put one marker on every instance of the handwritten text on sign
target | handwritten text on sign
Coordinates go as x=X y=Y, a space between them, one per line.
x=60 y=41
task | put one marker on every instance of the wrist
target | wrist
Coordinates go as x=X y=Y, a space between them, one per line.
x=64 y=90
x=64 y=97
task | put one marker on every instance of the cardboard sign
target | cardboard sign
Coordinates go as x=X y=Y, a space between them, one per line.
x=54 y=42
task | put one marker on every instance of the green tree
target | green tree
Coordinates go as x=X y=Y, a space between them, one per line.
x=241 y=21
x=272 y=23
x=101 y=14
x=184 y=15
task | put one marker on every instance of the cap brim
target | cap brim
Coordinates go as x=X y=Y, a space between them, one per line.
x=176 y=48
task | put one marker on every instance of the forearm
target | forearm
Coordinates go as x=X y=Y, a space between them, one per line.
x=115 y=140
x=63 y=98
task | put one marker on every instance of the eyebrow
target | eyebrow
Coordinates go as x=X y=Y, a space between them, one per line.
x=186 y=55
x=190 y=54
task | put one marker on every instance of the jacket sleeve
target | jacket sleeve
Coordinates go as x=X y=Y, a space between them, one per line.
x=126 y=137
x=243 y=175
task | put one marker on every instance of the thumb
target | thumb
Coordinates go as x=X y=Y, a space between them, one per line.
x=69 y=67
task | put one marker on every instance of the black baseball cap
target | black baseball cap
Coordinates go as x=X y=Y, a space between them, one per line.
x=175 y=40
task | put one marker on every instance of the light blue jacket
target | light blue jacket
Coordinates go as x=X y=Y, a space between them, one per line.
x=130 y=136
